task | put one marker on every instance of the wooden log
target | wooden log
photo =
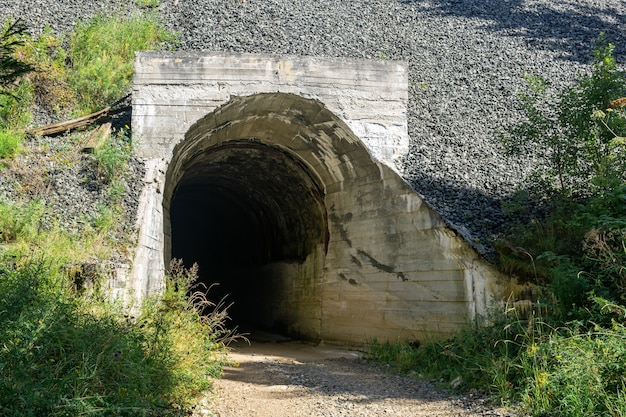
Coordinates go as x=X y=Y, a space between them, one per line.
x=61 y=127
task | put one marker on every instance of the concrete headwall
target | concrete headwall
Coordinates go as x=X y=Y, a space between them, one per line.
x=299 y=157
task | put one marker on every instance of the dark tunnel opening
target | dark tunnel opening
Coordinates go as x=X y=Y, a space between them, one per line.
x=252 y=217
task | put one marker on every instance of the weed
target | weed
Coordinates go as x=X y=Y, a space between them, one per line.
x=76 y=353
x=9 y=143
x=102 y=52
x=47 y=56
x=112 y=157
x=574 y=130
x=14 y=107
x=19 y=220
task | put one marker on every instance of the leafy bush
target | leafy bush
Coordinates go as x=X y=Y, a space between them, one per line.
x=575 y=130
x=577 y=242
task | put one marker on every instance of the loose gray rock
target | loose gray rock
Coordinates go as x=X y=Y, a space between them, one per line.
x=466 y=61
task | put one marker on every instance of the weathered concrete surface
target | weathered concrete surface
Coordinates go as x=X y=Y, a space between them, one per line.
x=317 y=236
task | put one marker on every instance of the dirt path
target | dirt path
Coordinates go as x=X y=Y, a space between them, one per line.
x=296 y=379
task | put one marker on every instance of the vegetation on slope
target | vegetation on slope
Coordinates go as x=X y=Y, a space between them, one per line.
x=67 y=346
x=565 y=355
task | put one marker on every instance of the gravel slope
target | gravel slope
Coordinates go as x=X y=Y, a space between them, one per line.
x=466 y=58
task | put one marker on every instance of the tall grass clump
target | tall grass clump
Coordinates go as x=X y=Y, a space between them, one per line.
x=101 y=52
x=70 y=350
x=64 y=354
x=564 y=355
x=111 y=158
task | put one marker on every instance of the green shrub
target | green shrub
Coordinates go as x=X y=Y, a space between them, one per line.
x=576 y=244
x=112 y=157
x=102 y=52
x=66 y=354
x=575 y=131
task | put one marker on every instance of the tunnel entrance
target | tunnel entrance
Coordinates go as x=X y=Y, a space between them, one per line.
x=279 y=176
x=253 y=218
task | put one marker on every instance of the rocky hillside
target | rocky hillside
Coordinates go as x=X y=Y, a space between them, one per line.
x=466 y=61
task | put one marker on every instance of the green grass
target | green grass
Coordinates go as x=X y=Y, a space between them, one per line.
x=92 y=72
x=9 y=143
x=72 y=350
x=101 y=52
x=68 y=348
x=68 y=355
x=112 y=157
x=575 y=369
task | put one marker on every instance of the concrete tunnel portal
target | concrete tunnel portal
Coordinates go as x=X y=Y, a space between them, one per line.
x=280 y=177
x=239 y=210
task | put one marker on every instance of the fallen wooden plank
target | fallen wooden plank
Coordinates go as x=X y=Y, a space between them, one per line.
x=97 y=138
x=61 y=127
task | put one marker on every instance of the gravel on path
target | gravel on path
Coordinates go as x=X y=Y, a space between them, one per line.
x=295 y=379
x=466 y=60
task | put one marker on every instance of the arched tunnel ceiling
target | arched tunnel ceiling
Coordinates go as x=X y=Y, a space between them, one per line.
x=263 y=188
x=321 y=143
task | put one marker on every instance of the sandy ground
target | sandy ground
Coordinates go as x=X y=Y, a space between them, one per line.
x=296 y=379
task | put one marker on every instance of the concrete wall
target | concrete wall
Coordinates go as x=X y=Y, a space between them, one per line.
x=173 y=90
x=389 y=268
